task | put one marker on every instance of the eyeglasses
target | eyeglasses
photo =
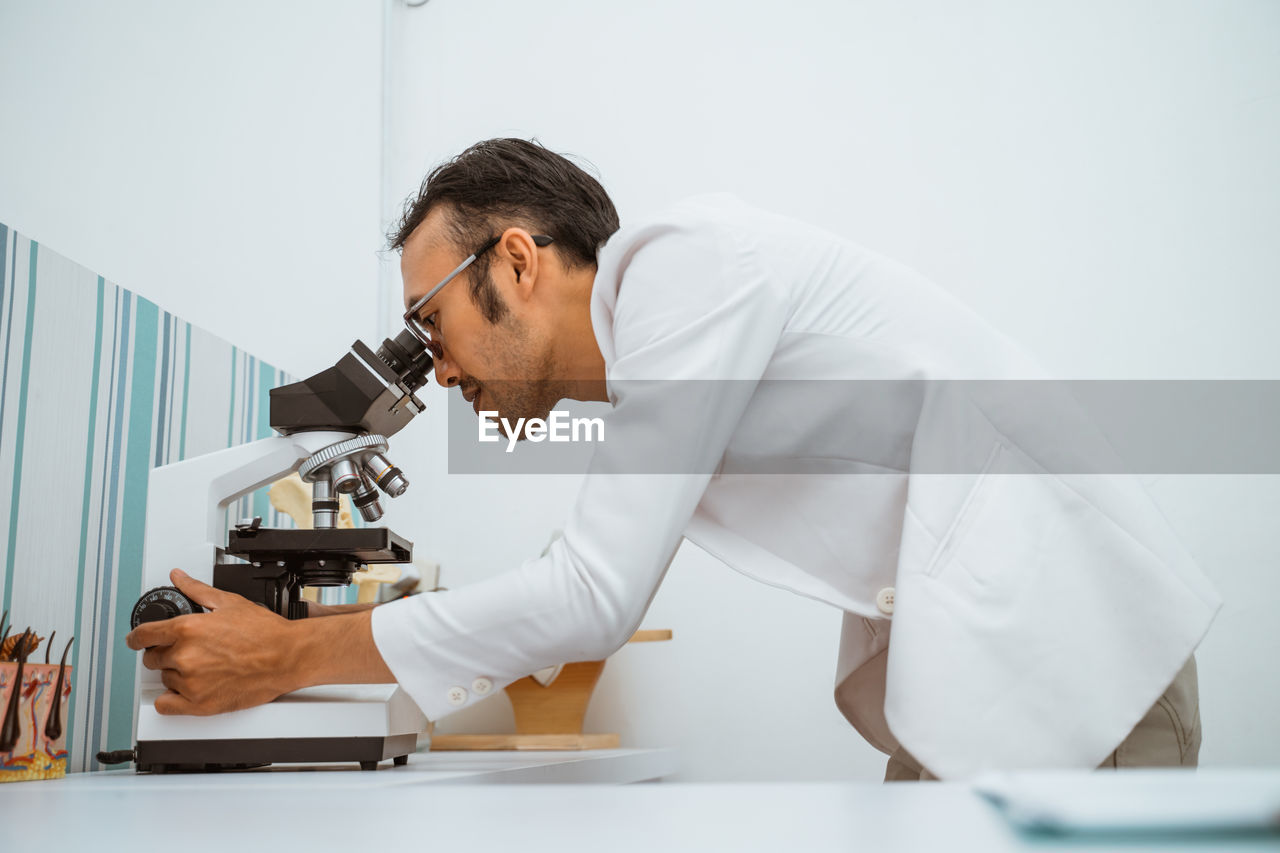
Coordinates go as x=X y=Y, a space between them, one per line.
x=411 y=319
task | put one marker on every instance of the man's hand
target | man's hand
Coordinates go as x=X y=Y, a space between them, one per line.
x=229 y=658
x=239 y=654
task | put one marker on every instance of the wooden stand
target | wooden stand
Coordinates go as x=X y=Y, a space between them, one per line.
x=549 y=717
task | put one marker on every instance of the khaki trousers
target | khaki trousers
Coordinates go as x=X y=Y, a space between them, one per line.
x=1168 y=736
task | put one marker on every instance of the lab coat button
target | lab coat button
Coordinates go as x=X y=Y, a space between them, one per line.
x=481 y=686
x=884 y=601
x=457 y=695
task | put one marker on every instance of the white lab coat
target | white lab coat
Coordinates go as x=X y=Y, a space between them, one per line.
x=1036 y=617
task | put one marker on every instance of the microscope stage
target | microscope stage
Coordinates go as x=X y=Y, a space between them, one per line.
x=359 y=544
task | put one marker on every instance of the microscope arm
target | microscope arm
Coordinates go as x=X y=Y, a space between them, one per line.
x=186 y=500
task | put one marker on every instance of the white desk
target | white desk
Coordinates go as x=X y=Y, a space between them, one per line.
x=584 y=767
x=394 y=810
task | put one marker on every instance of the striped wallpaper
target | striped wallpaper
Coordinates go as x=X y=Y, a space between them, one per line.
x=97 y=386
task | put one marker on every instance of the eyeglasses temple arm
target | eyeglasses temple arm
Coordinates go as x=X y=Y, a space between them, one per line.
x=538 y=239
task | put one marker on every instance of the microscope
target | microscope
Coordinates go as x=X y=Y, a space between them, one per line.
x=333 y=429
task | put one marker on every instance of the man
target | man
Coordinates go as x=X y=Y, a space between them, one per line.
x=781 y=398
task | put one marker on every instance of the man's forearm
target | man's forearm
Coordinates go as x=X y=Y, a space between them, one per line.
x=337 y=649
x=314 y=608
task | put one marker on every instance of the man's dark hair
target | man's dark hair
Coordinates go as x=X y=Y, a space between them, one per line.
x=499 y=183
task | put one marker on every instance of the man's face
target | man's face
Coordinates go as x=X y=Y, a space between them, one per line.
x=504 y=365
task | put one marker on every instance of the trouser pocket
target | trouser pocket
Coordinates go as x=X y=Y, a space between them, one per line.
x=1169 y=734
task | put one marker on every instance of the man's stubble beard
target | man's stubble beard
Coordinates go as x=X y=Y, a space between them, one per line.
x=519 y=353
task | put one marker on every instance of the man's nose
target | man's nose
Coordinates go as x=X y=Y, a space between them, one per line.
x=447 y=372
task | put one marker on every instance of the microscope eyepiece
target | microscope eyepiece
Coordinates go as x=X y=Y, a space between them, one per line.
x=365 y=392
x=408 y=357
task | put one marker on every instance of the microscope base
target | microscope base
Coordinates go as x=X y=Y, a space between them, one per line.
x=214 y=755
x=364 y=723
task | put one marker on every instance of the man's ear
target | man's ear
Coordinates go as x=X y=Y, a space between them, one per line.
x=517 y=248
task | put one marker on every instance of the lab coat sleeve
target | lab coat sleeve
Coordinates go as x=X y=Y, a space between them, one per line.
x=694 y=324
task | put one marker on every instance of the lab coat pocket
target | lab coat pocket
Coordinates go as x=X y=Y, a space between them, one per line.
x=995 y=547
x=969 y=509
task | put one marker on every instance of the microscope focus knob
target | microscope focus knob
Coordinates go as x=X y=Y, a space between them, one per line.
x=163 y=602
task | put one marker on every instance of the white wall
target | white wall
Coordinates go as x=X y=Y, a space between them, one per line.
x=220 y=158
x=1098 y=179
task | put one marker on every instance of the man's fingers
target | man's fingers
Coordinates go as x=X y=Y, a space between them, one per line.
x=174 y=703
x=199 y=592
x=173 y=680
x=159 y=657
x=150 y=634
